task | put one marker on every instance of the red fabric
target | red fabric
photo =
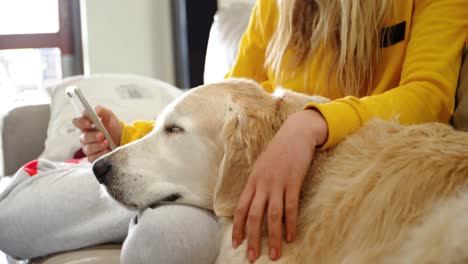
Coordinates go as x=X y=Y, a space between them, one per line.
x=31 y=167
x=76 y=161
x=79 y=154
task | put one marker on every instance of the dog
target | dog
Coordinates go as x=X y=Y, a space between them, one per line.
x=386 y=194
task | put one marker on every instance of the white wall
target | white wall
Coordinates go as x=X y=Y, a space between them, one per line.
x=225 y=3
x=128 y=36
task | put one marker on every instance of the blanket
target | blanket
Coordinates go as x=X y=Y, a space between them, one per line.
x=57 y=206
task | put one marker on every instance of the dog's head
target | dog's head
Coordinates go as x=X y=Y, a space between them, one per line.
x=201 y=149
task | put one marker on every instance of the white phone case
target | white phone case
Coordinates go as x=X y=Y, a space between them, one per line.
x=81 y=105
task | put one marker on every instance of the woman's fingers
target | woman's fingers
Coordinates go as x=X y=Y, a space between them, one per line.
x=92 y=158
x=85 y=123
x=275 y=223
x=240 y=214
x=291 y=203
x=95 y=148
x=89 y=137
x=93 y=141
x=82 y=123
x=111 y=122
x=254 y=225
x=104 y=113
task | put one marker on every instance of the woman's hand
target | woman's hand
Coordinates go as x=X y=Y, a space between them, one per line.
x=94 y=143
x=275 y=183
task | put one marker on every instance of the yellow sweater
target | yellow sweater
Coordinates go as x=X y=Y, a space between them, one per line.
x=419 y=79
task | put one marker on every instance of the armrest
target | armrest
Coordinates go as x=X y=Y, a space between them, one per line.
x=23 y=133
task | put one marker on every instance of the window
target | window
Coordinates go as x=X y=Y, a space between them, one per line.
x=24 y=74
x=39 y=17
x=36 y=42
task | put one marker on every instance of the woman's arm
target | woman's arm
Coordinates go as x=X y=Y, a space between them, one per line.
x=136 y=130
x=428 y=78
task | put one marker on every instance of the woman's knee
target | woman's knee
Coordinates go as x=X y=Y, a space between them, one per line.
x=172 y=234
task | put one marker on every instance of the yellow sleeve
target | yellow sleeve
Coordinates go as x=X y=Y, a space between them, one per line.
x=250 y=58
x=136 y=130
x=428 y=79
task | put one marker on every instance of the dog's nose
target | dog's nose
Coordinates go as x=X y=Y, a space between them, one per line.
x=101 y=169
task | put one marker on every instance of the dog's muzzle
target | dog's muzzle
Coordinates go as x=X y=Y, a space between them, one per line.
x=102 y=169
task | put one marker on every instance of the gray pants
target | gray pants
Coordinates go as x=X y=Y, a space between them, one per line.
x=62 y=208
x=171 y=234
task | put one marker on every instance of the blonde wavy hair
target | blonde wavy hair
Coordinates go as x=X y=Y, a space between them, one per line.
x=350 y=29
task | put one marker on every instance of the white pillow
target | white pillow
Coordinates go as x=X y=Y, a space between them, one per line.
x=226 y=31
x=228 y=27
x=130 y=97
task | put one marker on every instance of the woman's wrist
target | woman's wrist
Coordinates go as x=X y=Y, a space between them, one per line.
x=320 y=127
x=314 y=124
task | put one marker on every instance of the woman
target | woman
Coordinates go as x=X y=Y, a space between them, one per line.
x=391 y=59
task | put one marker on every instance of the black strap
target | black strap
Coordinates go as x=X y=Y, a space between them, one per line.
x=393 y=34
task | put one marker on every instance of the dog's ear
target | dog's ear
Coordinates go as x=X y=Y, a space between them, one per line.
x=247 y=131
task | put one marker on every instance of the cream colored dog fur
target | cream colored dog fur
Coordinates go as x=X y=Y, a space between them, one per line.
x=386 y=194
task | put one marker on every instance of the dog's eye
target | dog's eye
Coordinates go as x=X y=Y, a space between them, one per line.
x=173 y=129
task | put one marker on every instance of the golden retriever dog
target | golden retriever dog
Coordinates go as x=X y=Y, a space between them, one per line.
x=386 y=194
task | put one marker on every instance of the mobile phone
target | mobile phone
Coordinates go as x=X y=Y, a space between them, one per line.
x=81 y=106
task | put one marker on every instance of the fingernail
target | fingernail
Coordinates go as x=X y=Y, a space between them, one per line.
x=235 y=243
x=289 y=237
x=251 y=255
x=273 y=253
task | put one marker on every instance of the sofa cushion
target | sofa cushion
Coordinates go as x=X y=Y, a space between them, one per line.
x=228 y=26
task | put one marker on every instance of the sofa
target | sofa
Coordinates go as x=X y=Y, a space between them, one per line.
x=21 y=144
